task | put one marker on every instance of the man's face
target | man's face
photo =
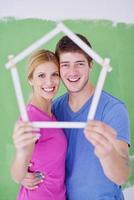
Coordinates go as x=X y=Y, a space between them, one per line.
x=74 y=71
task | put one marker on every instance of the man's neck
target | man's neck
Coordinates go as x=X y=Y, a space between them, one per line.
x=78 y=99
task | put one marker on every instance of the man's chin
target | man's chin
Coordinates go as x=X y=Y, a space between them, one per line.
x=74 y=91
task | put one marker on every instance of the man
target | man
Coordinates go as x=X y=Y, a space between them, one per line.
x=97 y=160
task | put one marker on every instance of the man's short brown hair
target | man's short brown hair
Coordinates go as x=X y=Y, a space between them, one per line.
x=66 y=45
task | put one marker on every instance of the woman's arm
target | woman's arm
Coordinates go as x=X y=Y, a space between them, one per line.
x=24 y=141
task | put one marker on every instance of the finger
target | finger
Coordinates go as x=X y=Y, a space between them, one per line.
x=25 y=143
x=101 y=150
x=29 y=129
x=102 y=129
x=31 y=177
x=23 y=125
x=27 y=136
x=102 y=126
x=30 y=187
x=25 y=129
x=98 y=138
x=20 y=124
x=31 y=183
x=25 y=140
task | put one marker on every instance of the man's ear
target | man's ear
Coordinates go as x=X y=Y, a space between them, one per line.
x=91 y=65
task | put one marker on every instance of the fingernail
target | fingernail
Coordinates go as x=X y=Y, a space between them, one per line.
x=38 y=135
x=36 y=129
x=30 y=165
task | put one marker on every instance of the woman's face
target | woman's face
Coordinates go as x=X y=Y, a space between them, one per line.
x=45 y=80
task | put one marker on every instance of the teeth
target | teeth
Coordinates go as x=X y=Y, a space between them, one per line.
x=73 y=79
x=48 y=89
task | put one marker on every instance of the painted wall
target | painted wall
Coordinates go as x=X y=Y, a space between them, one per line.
x=109 y=38
x=114 y=10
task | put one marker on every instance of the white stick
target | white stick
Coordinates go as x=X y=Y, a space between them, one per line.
x=59 y=124
x=34 y=46
x=81 y=44
x=18 y=92
x=98 y=90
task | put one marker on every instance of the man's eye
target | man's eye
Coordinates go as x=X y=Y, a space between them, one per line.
x=64 y=65
x=80 y=64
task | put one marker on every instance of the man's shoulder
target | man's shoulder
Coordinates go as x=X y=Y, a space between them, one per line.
x=108 y=98
x=110 y=104
x=115 y=114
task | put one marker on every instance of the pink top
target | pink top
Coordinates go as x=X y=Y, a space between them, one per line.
x=49 y=158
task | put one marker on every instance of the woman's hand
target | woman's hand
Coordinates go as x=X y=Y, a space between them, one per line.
x=24 y=136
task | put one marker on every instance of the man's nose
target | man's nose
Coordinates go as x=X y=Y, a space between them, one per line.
x=73 y=69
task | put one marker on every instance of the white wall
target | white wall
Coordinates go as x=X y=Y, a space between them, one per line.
x=115 y=10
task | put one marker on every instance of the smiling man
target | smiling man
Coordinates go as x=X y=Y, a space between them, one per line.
x=97 y=161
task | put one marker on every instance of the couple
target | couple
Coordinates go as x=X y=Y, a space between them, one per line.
x=94 y=162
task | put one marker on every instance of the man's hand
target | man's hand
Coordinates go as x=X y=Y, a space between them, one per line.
x=101 y=136
x=32 y=180
x=112 y=153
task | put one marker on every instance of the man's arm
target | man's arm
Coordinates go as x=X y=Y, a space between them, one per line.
x=31 y=181
x=112 y=153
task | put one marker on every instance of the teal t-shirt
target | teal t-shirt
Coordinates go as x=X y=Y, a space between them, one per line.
x=85 y=179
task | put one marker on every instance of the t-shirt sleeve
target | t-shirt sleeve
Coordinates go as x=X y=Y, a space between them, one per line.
x=118 y=118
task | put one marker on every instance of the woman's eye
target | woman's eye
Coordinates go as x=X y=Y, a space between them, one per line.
x=41 y=75
x=56 y=74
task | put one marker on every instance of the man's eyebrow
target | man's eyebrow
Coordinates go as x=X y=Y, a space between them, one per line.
x=80 y=61
x=64 y=62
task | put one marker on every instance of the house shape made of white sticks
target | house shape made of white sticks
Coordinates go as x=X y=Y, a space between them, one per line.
x=11 y=64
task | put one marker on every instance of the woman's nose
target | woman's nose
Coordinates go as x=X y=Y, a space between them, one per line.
x=48 y=81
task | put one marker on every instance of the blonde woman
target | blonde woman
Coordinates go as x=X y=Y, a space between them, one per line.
x=40 y=150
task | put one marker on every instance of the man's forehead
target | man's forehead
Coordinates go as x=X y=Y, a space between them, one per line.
x=72 y=56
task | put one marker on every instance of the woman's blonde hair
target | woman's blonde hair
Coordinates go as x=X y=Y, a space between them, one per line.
x=39 y=57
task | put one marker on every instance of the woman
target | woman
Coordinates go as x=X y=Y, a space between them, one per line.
x=42 y=151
